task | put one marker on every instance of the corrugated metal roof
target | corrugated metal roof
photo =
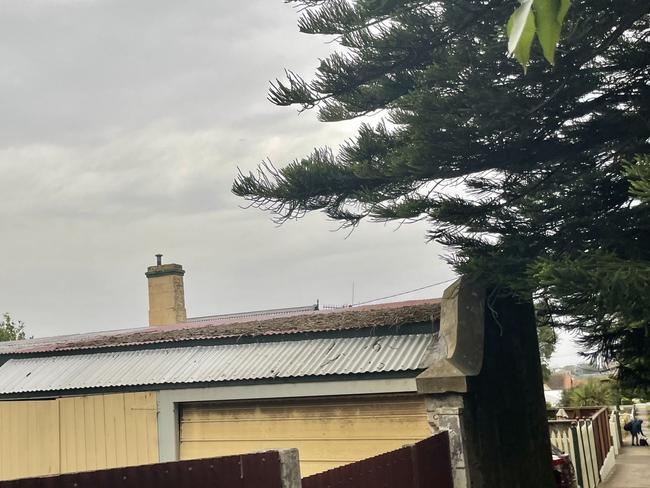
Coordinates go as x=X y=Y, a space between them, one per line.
x=218 y=363
x=256 y=314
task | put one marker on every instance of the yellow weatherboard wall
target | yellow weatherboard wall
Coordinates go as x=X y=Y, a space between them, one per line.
x=29 y=439
x=328 y=432
x=77 y=434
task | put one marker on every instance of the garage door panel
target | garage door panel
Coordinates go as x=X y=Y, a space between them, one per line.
x=363 y=428
x=302 y=409
x=328 y=432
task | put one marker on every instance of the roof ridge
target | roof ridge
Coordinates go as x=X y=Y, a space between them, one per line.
x=255 y=313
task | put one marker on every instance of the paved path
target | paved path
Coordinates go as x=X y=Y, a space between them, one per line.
x=632 y=469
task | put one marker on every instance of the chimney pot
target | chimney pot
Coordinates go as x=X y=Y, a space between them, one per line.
x=158 y=259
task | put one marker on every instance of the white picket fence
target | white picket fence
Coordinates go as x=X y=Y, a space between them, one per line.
x=576 y=438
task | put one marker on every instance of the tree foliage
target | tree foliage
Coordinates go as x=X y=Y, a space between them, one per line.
x=594 y=393
x=638 y=174
x=526 y=177
x=604 y=294
x=547 y=338
x=11 y=330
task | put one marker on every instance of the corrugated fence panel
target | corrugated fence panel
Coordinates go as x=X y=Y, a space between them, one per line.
x=77 y=434
x=327 y=432
x=29 y=438
x=426 y=464
x=259 y=470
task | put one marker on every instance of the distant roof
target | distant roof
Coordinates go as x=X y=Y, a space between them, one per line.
x=257 y=314
x=384 y=315
x=324 y=356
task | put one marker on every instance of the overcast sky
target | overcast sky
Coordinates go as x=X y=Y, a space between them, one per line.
x=122 y=124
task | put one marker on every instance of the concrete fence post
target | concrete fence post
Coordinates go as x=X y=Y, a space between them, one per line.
x=484 y=386
x=290 y=468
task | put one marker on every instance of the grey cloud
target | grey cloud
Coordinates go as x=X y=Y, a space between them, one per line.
x=77 y=70
x=159 y=169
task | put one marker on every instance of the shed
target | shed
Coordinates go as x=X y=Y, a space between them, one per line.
x=340 y=385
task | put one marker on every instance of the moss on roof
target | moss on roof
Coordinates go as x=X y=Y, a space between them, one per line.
x=385 y=315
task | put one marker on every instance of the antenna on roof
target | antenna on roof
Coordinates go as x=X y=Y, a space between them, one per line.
x=352 y=302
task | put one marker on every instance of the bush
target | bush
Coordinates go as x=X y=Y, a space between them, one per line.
x=594 y=393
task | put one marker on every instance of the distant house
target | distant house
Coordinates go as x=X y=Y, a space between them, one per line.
x=560 y=380
x=340 y=385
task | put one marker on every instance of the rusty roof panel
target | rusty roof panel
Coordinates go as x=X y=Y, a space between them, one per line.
x=384 y=315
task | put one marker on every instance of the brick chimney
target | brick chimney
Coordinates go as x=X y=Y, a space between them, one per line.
x=166 y=293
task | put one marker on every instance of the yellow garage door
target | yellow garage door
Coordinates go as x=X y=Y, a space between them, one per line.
x=328 y=432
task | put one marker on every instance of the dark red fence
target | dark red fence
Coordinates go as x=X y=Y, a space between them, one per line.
x=426 y=464
x=259 y=470
x=423 y=465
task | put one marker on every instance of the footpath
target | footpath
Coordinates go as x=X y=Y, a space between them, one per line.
x=632 y=469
